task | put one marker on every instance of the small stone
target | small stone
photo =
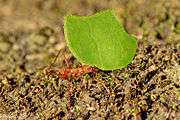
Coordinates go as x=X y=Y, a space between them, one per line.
x=4 y=46
x=38 y=39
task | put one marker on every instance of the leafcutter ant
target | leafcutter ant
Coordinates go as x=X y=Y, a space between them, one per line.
x=68 y=71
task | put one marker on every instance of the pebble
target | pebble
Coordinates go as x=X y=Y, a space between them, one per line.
x=4 y=46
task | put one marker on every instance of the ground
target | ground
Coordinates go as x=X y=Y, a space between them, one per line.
x=31 y=34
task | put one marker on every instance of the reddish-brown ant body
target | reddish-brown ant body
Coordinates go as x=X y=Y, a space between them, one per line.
x=75 y=72
x=68 y=71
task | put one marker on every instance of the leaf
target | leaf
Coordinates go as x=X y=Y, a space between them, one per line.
x=99 y=40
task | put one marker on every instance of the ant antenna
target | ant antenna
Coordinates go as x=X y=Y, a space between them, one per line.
x=68 y=65
x=65 y=59
x=55 y=58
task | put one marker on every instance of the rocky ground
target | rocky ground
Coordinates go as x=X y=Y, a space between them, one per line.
x=31 y=34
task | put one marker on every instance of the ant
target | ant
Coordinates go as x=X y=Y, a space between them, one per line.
x=67 y=72
x=75 y=72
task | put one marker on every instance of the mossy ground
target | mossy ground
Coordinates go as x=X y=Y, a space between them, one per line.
x=148 y=88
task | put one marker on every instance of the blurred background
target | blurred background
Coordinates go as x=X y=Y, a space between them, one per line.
x=29 y=15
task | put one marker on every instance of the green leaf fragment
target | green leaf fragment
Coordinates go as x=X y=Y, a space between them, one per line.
x=99 y=40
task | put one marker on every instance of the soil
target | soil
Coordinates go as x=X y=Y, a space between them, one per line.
x=31 y=34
